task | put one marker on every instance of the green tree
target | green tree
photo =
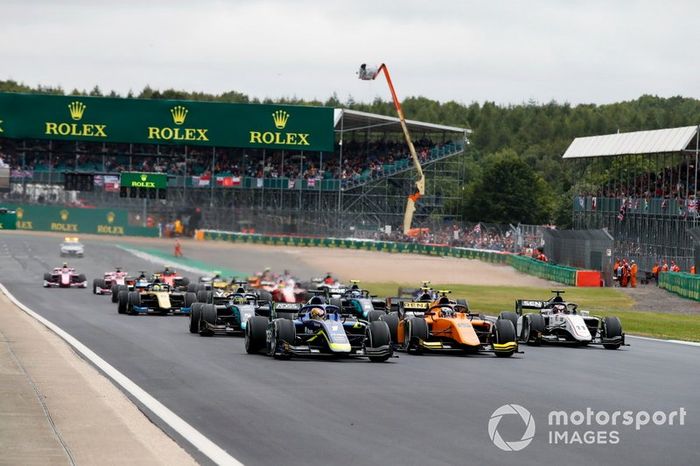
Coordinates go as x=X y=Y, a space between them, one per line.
x=509 y=191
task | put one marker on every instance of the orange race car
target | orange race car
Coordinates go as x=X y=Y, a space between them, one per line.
x=429 y=324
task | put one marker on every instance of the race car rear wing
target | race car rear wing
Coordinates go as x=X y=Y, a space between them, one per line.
x=521 y=304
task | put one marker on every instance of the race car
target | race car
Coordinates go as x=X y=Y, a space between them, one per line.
x=71 y=246
x=558 y=321
x=155 y=298
x=64 y=277
x=214 y=281
x=446 y=325
x=111 y=280
x=170 y=276
x=357 y=301
x=226 y=314
x=316 y=329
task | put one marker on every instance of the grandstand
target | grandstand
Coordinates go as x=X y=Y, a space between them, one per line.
x=356 y=178
x=647 y=195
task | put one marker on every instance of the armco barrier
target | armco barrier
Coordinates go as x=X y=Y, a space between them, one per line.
x=556 y=273
x=352 y=243
x=683 y=284
x=71 y=220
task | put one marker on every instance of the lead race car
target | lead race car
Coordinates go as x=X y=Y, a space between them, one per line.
x=315 y=329
x=64 y=277
x=558 y=321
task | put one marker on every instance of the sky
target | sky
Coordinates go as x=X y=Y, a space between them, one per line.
x=509 y=52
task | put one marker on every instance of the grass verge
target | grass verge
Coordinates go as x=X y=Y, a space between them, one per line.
x=600 y=301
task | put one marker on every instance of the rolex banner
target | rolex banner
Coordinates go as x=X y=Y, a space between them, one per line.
x=76 y=221
x=103 y=119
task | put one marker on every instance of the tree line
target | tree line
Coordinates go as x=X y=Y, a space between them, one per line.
x=513 y=171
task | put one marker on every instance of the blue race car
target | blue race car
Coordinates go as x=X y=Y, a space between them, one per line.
x=315 y=329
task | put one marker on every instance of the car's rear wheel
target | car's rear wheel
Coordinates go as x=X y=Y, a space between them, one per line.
x=416 y=329
x=283 y=331
x=95 y=285
x=533 y=328
x=47 y=277
x=122 y=301
x=612 y=327
x=192 y=287
x=392 y=320
x=195 y=316
x=264 y=296
x=504 y=332
x=378 y=335
x=190 y=299
x=373 y=316
x=255 y=334
x=202 y=296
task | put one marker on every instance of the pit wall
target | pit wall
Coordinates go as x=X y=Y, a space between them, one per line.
x=74 y=221
x=562 y=274
x=683 y=284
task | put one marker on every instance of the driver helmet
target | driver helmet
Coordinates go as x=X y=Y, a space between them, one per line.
x=559 y=308
x=447 y=311
x=239 y=300
x=156 y=287
x=317 y=313
x=166 y=269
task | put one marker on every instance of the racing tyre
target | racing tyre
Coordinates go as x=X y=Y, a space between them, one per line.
x=47 y=277
x=134 y=299
x=190 y=299
x=533 y=328
x=462 y=302
x=374 y=316
x=282 y=331
x=611 y=328
x=209 y=314
x=392 y=320
x=81 y=278
x=122 y=301
x=415 y=328
x=504 y=333
x=192 y=287
x=264 y=296
x=195 y=315
x=115 y=293
x=95 y=285
x=336 y=302
x=255 y=334
x=184 y=281
x=378 y=335
x=512 y=316
x=202 y=296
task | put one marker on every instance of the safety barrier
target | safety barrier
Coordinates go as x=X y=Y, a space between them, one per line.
x=72 y=220
x=556 y=273
x=683 y=284
x=353 y=243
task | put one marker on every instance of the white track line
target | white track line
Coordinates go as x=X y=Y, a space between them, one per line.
x=677 y=342
x=189 y=433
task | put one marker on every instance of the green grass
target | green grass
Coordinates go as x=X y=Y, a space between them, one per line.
x=600 y=301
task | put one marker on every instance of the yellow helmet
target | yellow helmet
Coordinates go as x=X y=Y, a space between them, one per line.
x=317 y=313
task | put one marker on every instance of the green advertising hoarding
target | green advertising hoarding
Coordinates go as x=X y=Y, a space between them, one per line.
x=104 y=119
x=8 y=219
x=144 y=180
x=75 y=221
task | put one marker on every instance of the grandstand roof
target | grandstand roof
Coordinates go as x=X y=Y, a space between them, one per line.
x=639 y=142
x=354 y=120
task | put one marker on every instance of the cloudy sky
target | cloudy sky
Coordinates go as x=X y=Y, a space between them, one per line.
x=506 y=51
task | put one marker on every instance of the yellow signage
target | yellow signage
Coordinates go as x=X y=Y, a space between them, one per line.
x=179 y=114
x=76 y=110
x=279 y=118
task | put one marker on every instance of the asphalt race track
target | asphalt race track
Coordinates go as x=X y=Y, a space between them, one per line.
x=414 y=410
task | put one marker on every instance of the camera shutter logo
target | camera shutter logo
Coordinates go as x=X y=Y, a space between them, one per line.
x=527 y=436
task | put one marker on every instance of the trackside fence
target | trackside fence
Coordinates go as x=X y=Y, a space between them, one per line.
x=683 y=284
x=557 y=273
x=562 y=274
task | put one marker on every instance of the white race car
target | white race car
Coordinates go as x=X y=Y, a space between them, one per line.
x=71 y=246
x=64 y=277
x=557 y=321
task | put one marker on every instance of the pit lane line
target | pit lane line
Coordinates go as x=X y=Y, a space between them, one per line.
x=212 y=451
